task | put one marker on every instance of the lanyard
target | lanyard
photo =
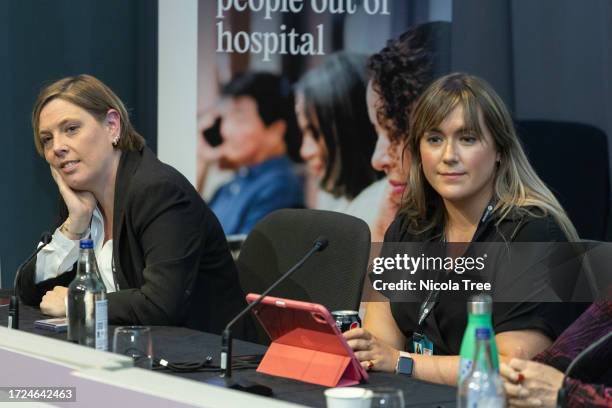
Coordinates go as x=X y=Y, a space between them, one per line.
x=432 y=298
x=426 y=307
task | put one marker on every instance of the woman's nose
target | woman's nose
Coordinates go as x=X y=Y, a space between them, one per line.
x=450 y=152
x=381 y=160
x=309 y=148
x=59 y=146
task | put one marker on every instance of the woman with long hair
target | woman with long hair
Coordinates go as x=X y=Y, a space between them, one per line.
x=338 y=139
x=469 y=181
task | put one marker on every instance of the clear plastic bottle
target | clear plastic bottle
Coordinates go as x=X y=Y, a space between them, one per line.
x=480 y=309
x=482 y=387
x=87 y=308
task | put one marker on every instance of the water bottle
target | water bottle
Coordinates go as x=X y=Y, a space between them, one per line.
x=480 y=308
x=87 y=308
x=482 y=387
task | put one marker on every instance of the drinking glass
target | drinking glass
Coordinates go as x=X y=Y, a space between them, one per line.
x=135 y=342
x=384 y=397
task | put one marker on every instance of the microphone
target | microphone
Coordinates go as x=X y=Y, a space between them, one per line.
x=226 y=338
x=13 y=318
x=561 y=395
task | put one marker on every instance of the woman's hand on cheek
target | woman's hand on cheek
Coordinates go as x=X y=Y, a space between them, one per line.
x=371 y=352
x=80 y=204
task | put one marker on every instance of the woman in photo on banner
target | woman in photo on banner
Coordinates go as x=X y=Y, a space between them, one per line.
x=337 y=138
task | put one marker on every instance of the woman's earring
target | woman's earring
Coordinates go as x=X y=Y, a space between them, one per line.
x=115 y=141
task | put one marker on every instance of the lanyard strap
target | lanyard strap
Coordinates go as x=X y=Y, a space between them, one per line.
x=426 y=307
x=432 y=298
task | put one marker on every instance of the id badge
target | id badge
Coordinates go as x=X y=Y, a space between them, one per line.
x=422 y=345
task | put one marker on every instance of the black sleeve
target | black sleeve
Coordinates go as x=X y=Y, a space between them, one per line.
x=396 y=241
x=549 y=318
x=539 y=229
x=535 y=277
x=394 y=231
x=32 y=293
x=385 y=248
x=168 y=223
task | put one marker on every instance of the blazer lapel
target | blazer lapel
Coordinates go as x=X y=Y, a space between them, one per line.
x=129 y=162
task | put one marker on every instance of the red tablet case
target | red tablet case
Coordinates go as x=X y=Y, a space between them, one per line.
x=306 y=344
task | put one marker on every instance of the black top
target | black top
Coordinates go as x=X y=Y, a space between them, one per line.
x=445 y=324
x=172 y=262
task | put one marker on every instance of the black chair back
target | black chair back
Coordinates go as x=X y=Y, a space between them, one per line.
x=333 y=277
x=572 y=159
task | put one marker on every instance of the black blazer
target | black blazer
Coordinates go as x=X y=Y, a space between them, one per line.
x=172 y=262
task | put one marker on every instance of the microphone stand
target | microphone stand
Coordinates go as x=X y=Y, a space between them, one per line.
x=226 y=338
x=13 y=317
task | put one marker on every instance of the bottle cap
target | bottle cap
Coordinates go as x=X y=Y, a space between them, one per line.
x=483 y=333
x=480 y=305
x=86 y=244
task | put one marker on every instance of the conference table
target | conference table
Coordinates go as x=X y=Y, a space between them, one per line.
x=179 y=344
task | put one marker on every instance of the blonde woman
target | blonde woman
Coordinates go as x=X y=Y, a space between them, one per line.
x=469 y=181
x=161 y=251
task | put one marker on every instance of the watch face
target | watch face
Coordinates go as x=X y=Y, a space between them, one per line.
x=404 y=365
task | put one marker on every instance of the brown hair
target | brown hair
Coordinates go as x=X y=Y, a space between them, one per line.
x=517 y=186
x=95 y=97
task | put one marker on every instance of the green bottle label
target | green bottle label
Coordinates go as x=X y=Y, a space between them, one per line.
x=468 y=344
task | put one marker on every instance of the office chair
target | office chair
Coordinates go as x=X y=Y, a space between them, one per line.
x=572 y=159
x=333 y=277
x=594 y=280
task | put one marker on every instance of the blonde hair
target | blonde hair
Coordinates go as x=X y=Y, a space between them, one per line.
x=517 y=187
x=89 y=93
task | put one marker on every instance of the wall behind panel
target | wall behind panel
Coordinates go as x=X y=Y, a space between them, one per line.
x=548 y=59
x=177 y=84
x=563 y=61
x=41 y=41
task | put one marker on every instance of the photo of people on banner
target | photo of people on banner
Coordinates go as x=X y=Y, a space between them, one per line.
x=298 y=126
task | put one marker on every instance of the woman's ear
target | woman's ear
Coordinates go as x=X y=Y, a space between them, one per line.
x=112 y=123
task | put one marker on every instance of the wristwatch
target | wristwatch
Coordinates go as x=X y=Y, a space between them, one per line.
x=405 y=364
